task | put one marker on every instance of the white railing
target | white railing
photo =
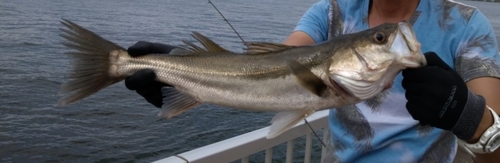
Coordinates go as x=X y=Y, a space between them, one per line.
x=243 y=146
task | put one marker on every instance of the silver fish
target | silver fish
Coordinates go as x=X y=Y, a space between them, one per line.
x=295 y=81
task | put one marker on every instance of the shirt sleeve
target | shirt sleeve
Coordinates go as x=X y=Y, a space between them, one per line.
x=477 y=54
x=315 y=21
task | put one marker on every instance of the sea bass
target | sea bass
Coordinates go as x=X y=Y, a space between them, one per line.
x=294 y=81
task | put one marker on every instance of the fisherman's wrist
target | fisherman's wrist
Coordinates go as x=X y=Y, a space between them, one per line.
x=470 y=117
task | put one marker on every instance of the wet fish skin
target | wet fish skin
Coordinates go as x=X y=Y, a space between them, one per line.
x=295 y=81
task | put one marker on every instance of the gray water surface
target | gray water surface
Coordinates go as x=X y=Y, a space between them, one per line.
x=117 y=125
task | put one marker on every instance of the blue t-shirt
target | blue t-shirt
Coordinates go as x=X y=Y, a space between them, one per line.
x=381 y=129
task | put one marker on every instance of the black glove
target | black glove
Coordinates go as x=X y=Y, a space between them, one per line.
x=143 y=81
x=438 y=96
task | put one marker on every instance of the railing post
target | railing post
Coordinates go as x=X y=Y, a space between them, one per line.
x=289 y=151
x=307 y=155
x=269 y=155
x=245 y=159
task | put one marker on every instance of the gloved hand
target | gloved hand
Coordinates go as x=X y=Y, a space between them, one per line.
x=143 y=81
x=438 y=96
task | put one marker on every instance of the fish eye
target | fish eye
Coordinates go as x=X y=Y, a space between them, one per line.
x=379 y=37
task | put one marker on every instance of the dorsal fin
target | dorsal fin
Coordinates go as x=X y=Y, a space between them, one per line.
x=193 y=48
x=208 y=46
x=265 y=47
x=180 y=51
x=207 y=43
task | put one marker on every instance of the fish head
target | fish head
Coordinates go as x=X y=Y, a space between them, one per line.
x=369 y=60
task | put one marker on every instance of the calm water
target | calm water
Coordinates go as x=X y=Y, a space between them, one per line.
x=117 y=125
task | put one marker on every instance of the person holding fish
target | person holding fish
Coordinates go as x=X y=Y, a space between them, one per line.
x=361 y=59
x=428 y=112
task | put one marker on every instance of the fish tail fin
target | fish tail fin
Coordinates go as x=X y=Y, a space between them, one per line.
x=91 y=63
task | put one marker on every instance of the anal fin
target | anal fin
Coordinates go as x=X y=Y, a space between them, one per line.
x=283 y=121
x=175 y=102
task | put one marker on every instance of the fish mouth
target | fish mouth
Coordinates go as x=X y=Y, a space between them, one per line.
x=407 y=48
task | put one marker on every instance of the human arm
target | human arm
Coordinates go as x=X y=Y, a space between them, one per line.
x=489 y=88
x=299 y=38
x=478 y=62
x=476 y=81
x=312 y=27
x=438 y=96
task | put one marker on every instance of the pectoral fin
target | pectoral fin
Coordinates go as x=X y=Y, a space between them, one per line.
x=175 y=102
x=283 y=121
x=306 y=78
